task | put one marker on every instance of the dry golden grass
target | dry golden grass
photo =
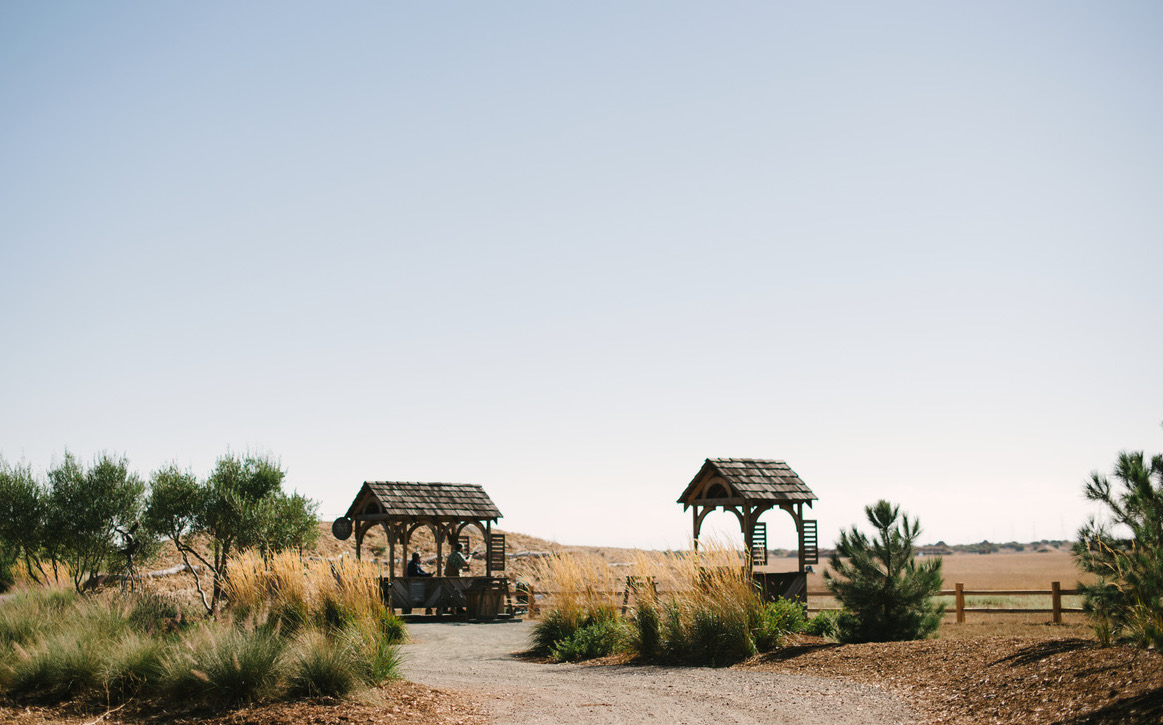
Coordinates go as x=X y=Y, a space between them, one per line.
x=1023 y=570
x=714 y=576
x=355 y=585
x=286 y=579
x=22 y=577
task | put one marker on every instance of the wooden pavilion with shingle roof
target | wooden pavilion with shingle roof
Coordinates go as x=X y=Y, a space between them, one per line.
x=446 y=509
x=748 y=488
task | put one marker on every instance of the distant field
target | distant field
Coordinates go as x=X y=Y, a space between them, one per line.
x=1024 y=570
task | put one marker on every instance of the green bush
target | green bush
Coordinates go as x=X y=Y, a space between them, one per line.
x=334 y=616
x=719 y=638
x=599 y=639
x=647 y=632
x=54 y=648
x=392 y=628
x=776 y=621
x=555 y=626
x=560 y=624
x=822 y=625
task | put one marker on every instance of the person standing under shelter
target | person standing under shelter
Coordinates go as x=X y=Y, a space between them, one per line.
x=456 y=562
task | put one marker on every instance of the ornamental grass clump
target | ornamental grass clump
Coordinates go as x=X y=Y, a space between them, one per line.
x=584 y=589
x=705 y=611
x=28 y=615
x=320 y=669
x=296 y=631
x=227 y=664
x=691 y=608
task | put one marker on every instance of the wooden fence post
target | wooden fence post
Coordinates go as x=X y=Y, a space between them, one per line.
x=1056 y=597
x=960 y=593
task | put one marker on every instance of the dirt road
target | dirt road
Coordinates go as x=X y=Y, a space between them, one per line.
x=477 y=659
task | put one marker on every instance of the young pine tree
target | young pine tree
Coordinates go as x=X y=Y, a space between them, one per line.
x=886 y=595
x=1126 y=599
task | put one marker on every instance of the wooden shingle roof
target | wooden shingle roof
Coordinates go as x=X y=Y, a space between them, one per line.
x=752 y=479
x=459 y=501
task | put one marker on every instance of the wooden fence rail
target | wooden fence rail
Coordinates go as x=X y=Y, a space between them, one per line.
x=959 y=592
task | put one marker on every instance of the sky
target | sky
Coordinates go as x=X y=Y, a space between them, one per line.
x=568 y=251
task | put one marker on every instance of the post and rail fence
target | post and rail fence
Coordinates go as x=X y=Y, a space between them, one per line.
x=959 y=593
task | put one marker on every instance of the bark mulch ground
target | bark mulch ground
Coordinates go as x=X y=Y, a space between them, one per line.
x=996 y=679
x=392 y=704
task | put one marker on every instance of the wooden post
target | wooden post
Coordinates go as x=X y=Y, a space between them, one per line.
x=960 y=593
x=391 y=551
x=1056 y=597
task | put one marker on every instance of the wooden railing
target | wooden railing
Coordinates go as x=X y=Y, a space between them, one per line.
x=959 y=592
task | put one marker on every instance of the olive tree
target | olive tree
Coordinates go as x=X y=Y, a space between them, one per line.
x=22 y=503
x=87 y=513
x=887 y=596
x=241 y=505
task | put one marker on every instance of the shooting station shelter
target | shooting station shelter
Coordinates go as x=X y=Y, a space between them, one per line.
x=748 y=488
x=447 y=510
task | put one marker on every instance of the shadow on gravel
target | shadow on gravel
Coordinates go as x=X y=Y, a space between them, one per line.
x=1042 y=650
x=1145 y=709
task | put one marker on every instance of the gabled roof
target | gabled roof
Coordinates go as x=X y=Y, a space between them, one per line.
x=432 y=500
x=752 y=479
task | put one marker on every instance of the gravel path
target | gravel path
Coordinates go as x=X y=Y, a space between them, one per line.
x=477 y=659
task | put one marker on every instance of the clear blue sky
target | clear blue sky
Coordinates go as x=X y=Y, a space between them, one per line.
x=568 y=251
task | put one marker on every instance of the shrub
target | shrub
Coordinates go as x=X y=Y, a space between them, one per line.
x=822 y=625
x=598 y=639
x=560 y=624
x=392 y=628
x=886 y=595
x=555 y=626
x=647 y=632
x=776 y=621
x=1126 y=600
x=719 y=638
